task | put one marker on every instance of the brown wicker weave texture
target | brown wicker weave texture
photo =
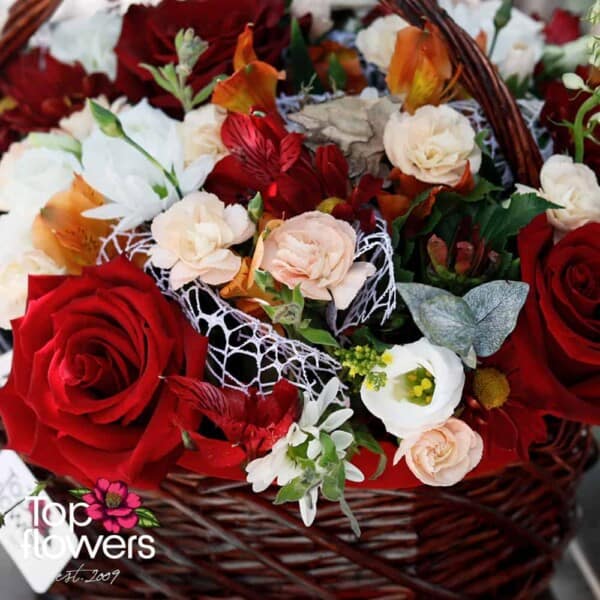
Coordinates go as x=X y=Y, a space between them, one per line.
x=494 y=537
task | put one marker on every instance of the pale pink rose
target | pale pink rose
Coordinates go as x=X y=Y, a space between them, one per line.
x=316 y=251
x=193 y=239
x=444 y=455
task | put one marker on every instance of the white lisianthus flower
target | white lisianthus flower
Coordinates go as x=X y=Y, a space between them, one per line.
x=442 y=456
x=377 y=42
x=475 y=17
x=136 y=190
x=29 y=176
x=89 y=40
x=423 y=385
x=573 y=186
x=193 y=239
x=279 y=465
x=321 y=15
x=201 y=133
x=436 y=144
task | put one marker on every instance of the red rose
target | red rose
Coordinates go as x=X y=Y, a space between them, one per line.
x=564 y=27
x=46 y=90
x=148 y=36
x=557 y=339
x=86 y=396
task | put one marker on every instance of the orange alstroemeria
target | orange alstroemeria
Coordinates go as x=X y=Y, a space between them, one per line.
x=421 y=71
x=254 y=83
x=349 y=60
x=70 y=239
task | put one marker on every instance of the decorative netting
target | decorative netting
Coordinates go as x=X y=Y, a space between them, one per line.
x=376 y=299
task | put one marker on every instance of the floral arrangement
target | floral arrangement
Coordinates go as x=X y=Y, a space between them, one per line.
x=278 y=242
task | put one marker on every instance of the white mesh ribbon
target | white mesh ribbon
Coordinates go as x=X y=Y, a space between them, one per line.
x=378 y=295
x=244 y=352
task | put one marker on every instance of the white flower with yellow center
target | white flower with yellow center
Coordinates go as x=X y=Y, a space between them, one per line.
x=421 y=387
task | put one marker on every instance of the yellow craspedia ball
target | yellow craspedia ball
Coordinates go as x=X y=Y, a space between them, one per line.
x=491 y=388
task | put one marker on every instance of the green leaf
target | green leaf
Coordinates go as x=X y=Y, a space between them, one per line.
x=294 y=491
x=80 y=492
x=264 y=280
x=318 y=336
x=498 y=223
x=364 y=439
x=399 y=222
x=328 y=453
x=303 y=70
x=297 y=297
x=160 y=79
x=350 y=516
x=334 y=482
x=256 y=208
x=336 y=73
x=496 y=307
x=203 y=95
x=147 y=518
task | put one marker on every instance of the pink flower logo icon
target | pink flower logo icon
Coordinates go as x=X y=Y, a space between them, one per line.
x=115 y=506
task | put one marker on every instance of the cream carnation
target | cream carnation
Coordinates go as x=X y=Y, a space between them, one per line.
x=193 y=239
x=378 y=41
x=436 y=144
x=423 y=386
x=444 y=455
x=316 y=251
x=201 y=133
x=573 y=186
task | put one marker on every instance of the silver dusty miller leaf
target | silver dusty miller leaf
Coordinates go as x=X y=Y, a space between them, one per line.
x=355 y=124
x=475 y=325
x=496 y=307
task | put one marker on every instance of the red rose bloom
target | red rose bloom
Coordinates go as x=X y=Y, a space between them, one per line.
x=46 y=90
x=148 y=36
x=564 y=27
x=86 y=396
x=557 y=340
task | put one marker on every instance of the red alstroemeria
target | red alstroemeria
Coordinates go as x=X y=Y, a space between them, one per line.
x=45 y=90
x=254 y=83
x=358 y=206
x=563 y=27
x=250 y=420
x=264 y=157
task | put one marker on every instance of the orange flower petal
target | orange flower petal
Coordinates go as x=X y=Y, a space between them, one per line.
x=253 y=87
x=61 y=231
x=244 y=52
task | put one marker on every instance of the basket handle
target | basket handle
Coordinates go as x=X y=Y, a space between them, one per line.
x=482 y=80
x=25 y=17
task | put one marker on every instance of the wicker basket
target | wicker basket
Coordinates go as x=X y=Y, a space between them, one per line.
x=492 y=537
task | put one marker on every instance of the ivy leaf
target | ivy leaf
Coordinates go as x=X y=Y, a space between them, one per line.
x=496 y=307
x=147 y=518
